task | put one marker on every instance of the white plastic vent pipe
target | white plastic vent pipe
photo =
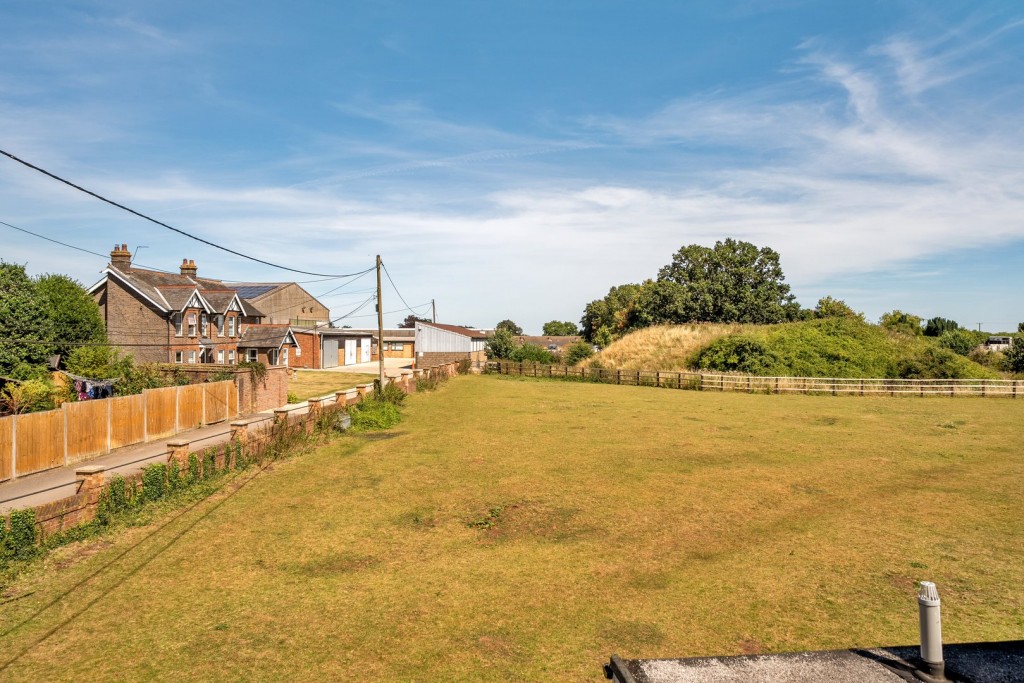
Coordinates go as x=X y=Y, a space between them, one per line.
x=930 y=617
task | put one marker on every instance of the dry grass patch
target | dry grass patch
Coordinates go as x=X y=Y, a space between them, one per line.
x=524 y=530
x=663 y=347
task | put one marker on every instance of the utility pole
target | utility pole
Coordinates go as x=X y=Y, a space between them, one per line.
x=380 y=327
x=433 y=315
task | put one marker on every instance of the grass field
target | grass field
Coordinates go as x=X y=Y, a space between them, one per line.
x=309 y=383
x=519 y=529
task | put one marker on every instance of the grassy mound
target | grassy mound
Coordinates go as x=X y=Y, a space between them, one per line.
x=832 y=347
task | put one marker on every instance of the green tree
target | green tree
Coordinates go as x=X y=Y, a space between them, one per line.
x=936 y=327
x=835 y=308
x=531 y=353
x=733 y=281
x=611 y=313
x=659 y=302
x=73 y=317
x=501 y=345
x=510 y=326
x=557 y=328
x=898 y=321
x=1015 y=355
x=25 y=332
x=961 y=342
x=576 y=352
x=411 y=320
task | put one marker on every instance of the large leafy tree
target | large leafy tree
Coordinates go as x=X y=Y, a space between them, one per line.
x=411 y=320
x=609 y=317
x=557 y=328
x=733 y=281
x=902 y=322
x=25 y=332
x=73 y=316
x=500 y=345
x=510 y=326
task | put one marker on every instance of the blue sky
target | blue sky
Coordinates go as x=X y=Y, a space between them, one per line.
x=515 y=160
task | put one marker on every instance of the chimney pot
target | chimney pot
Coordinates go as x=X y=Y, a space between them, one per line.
x=188 y=267
x=121 y=258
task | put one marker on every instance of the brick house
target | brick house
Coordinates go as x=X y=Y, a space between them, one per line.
x=160 y=317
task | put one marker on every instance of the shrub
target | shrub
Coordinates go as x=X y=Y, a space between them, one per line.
x=21 y=539
x=193 y=468
x=737 y=353
x=936 y=327
x=390 y=393
x=293 y=397
x=1015 y=355
x=531 y=353
x=464 y=365
x=29 y=396
x=369 y=416
x=577 y=351
x=934 y=363
x=904 y=323
x=501 y=345
x=961 y=342
x=153 y=479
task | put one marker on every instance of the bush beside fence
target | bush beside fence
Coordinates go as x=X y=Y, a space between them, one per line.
x=701 y=381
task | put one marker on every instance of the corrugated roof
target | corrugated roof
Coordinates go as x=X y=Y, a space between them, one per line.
x=464 y=331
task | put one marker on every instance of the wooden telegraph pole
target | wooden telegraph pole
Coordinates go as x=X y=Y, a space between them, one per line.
x=380 y=327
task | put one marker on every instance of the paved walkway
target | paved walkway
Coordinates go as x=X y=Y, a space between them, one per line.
x=390 y=366
x=44 y=487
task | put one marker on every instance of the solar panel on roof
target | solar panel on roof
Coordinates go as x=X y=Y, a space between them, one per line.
x=249 y=291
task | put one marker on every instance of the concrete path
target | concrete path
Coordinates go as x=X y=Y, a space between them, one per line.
x=44 y=487
x=390 y=364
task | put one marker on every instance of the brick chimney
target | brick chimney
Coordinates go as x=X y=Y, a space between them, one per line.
x=121 y=258
x=188 y=267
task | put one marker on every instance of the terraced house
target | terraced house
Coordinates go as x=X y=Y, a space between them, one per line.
x=161 y=317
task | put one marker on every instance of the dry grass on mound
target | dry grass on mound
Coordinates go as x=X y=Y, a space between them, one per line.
x=663 y=347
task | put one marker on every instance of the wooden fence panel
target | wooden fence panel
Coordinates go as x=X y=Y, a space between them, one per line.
x=6 y=446
x=216 y=402
x=87 y=429
x=127 y=420
x=40 y=441
x=161 y=412
x=190 y=406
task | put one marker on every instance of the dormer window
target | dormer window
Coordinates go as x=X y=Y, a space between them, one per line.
x=191 y=324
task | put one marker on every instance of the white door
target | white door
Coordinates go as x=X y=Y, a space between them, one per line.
x=350 y=352
x=364 y=356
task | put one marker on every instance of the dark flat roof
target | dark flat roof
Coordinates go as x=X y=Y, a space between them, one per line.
x=1000 y=662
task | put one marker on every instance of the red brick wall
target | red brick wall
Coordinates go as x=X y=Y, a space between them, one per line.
x=133 y=324
x=310 y=345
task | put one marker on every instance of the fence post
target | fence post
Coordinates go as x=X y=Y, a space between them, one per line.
x=240 y=431
x=657 y=378
x=1015 y=388
x=750 y=387
x=179 y=452
x=108 y=423
x=64 y=407
x=618 y=376
x=14 y=447
x=638 y=378
x=983 y=388
x=315 y=407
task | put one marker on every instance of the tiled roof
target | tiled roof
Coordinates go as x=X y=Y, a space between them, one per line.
x=263 y=336
x=172 y=290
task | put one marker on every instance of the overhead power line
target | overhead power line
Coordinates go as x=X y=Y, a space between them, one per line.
x=165 y=225
x=396 y=289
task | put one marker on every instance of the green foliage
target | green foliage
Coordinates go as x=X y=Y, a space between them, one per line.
x=154 y=478
x=193 y=468
x=904 y=323
x=293 y=397
x=576 y=352
x=105 y=362
x=29 y=396
x=557 y=328
x=738 y=353
x=836 y=347
x=1014 y=356
x=936 y=327
x=174 y=481
x=411 y=320
x=501 y=345
x=531 y=353
x=222 y=375
x=389 y=393
x=835 y=308
x=71 y=314
x=958 y=341
x=209 y=463
x=26 y=328
x=257 y=370
x=510 y=326
x=20 y=540
x=370 y=416
x=604 y=319
x=734 y=281
x=660 y=302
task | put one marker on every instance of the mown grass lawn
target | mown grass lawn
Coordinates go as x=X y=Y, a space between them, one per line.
x=524 y=530
x=305 y=384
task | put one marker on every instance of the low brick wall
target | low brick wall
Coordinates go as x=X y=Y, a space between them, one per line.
x=256 y=436
x=435 y=358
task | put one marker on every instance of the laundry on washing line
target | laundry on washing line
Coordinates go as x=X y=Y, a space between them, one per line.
x=90 y=389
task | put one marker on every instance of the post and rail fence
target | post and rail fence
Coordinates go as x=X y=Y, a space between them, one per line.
x=704 y=381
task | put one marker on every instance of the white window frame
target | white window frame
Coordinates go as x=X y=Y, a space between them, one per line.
x=252 y=355
x=231 y=325
x=231 y=357
x=298 y=352
x=272 y=357
x=218 y=322
x=192 y=324
x=283 y=356
x=204 y=324
x=192 y=357
x=179 y=357
x=397 y=346
x=220 y=356
x=177 y=321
